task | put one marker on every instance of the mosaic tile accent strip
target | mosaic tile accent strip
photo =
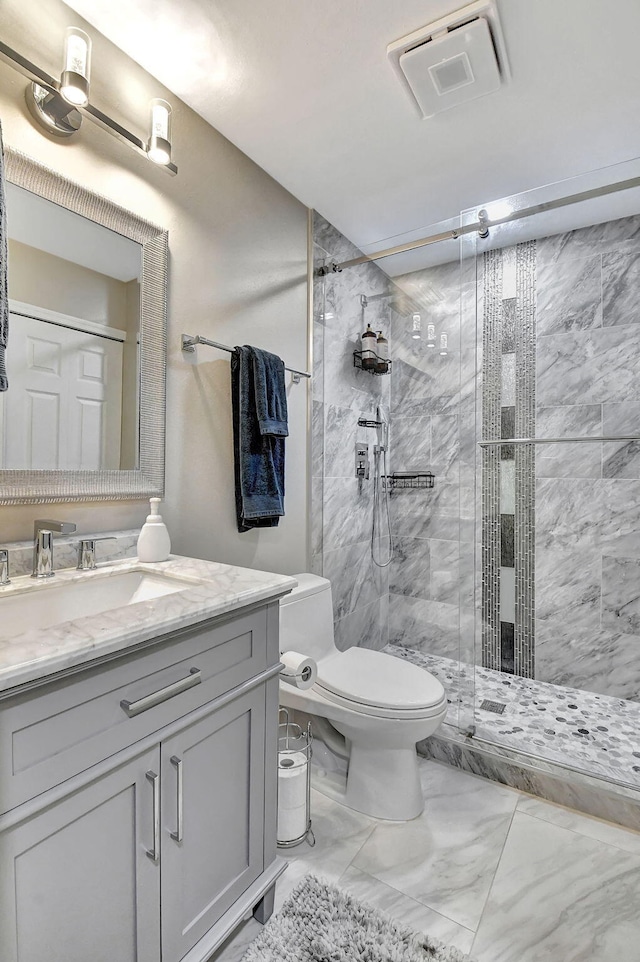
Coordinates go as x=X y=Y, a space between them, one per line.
x=491 y=430
x=509 y=326
x=524 y=533
x=506 y=646
x=506 y=547
x=508 y=427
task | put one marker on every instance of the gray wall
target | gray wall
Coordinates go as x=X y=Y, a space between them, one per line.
x=238 y=274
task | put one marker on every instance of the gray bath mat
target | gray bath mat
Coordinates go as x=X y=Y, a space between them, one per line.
x=319 y=923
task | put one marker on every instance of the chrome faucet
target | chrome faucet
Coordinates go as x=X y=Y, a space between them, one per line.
x=43 y=532
x=4 y=567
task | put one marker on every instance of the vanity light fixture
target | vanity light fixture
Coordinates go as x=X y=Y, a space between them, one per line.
x=60 y=106
x=444 y=350
x=431 y=335
x=76 y=68
x=159 y=149
x=417 y=326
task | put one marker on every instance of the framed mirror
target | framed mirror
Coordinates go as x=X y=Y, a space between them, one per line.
x=83 y=418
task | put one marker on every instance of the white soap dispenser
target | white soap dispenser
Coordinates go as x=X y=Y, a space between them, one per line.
x=154 y=543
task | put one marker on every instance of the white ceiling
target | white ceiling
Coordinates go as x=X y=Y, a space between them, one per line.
x=306 y=90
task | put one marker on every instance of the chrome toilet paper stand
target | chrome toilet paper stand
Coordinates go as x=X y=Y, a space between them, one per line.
x=292 y=739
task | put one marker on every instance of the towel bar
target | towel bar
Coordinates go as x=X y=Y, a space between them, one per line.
x=189 y=345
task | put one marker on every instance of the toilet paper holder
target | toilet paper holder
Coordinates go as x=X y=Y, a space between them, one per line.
x=294 y=759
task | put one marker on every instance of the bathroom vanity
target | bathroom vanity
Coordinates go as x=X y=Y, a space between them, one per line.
x=138 y=761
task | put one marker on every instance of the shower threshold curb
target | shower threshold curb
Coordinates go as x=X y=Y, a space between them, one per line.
x=553 y=782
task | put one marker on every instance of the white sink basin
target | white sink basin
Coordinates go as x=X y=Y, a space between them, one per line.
x=42 y=605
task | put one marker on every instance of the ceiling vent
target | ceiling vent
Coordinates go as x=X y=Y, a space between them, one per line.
x=458 y=58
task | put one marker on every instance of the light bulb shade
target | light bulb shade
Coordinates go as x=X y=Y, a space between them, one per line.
x=159 y=149
x=431 y=335
x=444 y=345
x=76 y=68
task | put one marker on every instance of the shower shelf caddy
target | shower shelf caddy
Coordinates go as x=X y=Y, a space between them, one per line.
x=409 y=479
x=382 y=362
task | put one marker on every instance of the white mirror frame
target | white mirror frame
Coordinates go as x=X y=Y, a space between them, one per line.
x=34 y=487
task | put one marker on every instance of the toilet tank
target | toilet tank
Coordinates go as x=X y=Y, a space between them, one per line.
x=306 y=618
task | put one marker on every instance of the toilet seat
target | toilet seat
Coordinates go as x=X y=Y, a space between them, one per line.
x=375 y=683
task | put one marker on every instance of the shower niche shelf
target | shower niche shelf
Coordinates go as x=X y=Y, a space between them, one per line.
x=382 y=364
x=409 y=479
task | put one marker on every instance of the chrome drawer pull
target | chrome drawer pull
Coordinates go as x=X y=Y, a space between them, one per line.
x=154 y=853
x=178 y=834
x=133 y=708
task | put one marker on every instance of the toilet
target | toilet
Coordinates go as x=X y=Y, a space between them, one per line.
x=382 y=705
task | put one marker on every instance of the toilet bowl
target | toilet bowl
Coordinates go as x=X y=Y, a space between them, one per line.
x=380 y=704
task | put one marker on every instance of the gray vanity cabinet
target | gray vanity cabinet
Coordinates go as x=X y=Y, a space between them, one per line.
x=165 y=841
x=75 y=880
x=212 y=816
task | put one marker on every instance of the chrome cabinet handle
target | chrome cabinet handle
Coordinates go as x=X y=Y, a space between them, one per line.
x=154 y=853
x=178 y=834
x=133 y=708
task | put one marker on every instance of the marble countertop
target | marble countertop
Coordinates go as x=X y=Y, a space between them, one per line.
x=212 y=589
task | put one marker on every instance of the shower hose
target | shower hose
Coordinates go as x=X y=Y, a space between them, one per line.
x=375 y=527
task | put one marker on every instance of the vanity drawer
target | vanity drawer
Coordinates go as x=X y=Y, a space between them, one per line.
x=61 y=728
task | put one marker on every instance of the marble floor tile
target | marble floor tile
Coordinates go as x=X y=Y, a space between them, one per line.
x=558 y=895
x=446 y=858
x=339 y=832
x=406 y=910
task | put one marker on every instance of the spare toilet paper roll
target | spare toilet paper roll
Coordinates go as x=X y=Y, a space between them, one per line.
x=298 y=669
x=292 y=796
x=292 y=780
x=292 y=823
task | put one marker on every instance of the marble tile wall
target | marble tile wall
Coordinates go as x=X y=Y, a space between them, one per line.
x=341 y=513
x=416 y=600
x=588 y=495
x=431 y=575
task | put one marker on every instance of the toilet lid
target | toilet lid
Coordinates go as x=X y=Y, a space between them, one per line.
x=380 y=680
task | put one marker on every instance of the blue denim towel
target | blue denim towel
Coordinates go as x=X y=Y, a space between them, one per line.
x=259 y=406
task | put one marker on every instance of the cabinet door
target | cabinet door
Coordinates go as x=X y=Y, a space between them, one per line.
x=213 y=815
x=76 y=883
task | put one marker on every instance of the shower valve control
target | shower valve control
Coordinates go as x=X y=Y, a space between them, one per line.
x=362 y=463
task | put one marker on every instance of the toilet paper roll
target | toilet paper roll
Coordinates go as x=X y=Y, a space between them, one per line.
x=292 y=781
x=292 y=823
x=298 y=669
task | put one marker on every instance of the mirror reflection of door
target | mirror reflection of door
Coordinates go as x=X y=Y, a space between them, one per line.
x=64 y=406
x=72 y=359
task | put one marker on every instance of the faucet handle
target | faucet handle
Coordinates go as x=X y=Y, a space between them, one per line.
x=87 y=552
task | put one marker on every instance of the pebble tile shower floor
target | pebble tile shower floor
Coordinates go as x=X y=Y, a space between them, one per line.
x=598 y=734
